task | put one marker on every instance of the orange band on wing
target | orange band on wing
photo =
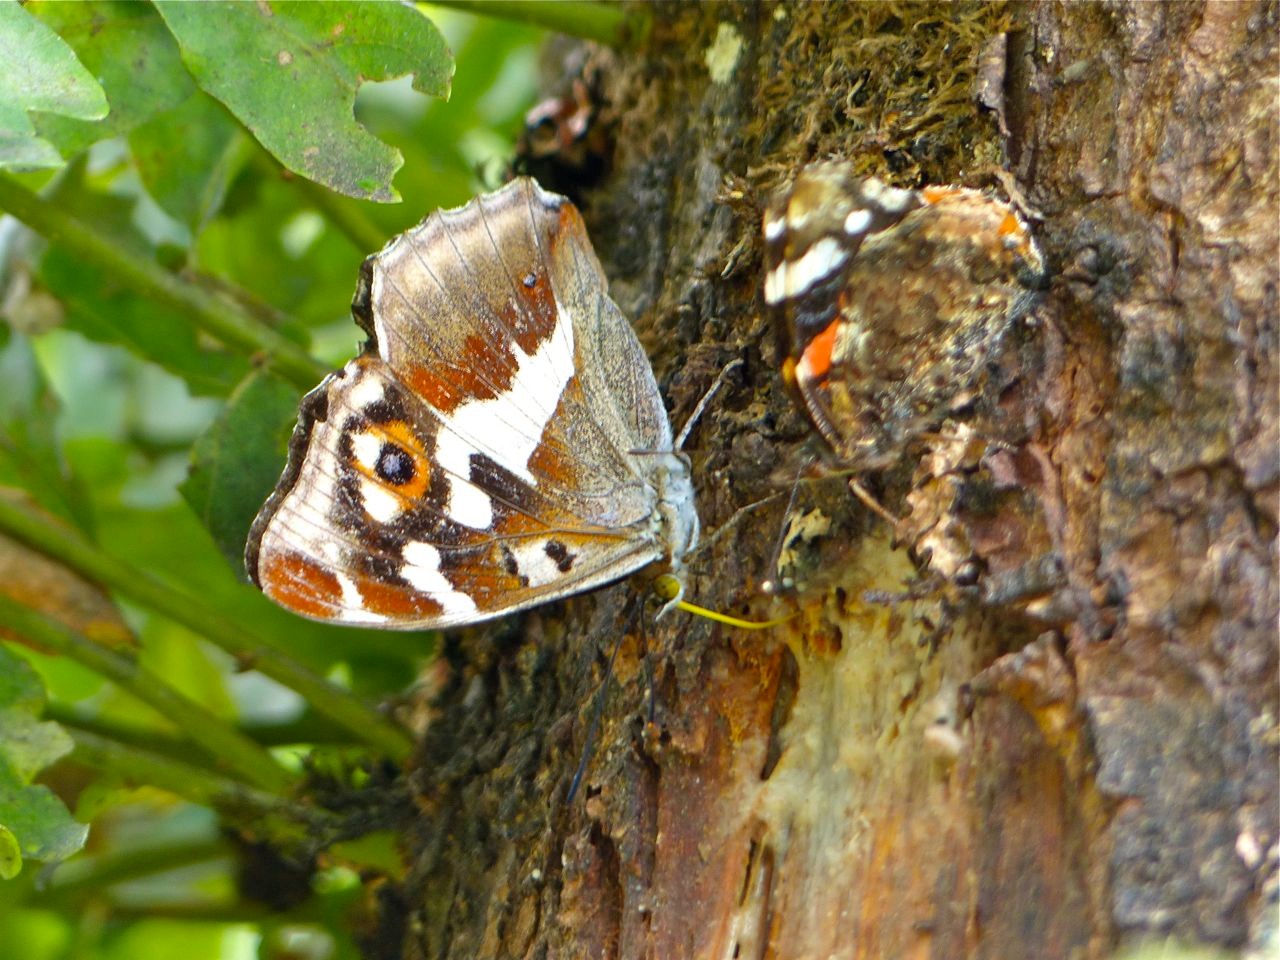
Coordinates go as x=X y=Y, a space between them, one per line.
x=300 y=584
x=815 y=362
x=393 y=600
x=935 y=194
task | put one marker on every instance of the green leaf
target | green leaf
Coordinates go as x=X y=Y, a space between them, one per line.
x=236 y=462
x=29 y=454
x=103 y=309
x=29 y=745
x=38 y=819
x=289 y=71
x=40 y=73
x=34 y=823
x=10 y=854
x=187 y=156
x=20 y=686
x=246 y=244
x=126 y=46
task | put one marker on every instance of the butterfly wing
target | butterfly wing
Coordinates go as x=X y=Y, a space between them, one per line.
x=480 y=456
x=813 y=232
x=888 y=300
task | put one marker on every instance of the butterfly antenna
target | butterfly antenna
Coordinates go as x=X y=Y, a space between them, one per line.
x=597 y=712
x=702 y=404
x=772 y=586
x=738 y=516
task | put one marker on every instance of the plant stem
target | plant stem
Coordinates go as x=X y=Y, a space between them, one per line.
x=93 y=873
x=612 y=24
x=310 y=727
x=343 y=708
x=183 y=779
x=208 y=312
x=236 y=751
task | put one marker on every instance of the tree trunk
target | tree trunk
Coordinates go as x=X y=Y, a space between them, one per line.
x=1076 y=751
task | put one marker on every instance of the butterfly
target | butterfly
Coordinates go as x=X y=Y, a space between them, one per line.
x=499 y=442
x=890 y=302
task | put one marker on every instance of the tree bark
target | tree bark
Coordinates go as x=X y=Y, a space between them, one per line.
x=1076 y=751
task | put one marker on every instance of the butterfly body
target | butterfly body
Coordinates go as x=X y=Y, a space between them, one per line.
x=890 y=302
x=500 y=442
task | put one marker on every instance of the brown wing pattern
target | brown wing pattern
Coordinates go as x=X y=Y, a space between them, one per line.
x=477 y=458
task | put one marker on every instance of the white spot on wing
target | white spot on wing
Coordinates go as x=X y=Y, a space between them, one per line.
x=469 y=505
x=774 y=282
x=508 y=427
x=367 y=448
x=889 y=198
x=773 y=229
x=533 y=562
x=379 y=502
x=353 y=610
x=421 y=568
x=857 y=222
x=365 y=392
x=793 y=278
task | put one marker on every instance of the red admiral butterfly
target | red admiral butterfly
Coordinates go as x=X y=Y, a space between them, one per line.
x=890 y=301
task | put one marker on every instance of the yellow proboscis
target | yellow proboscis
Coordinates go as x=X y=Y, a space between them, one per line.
x=670 y=589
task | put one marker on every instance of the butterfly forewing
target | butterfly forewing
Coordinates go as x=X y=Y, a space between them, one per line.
x=481 y=456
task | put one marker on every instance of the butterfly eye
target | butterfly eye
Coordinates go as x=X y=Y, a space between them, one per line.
x=395 y=465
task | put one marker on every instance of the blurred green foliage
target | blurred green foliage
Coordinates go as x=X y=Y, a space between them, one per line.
x=228 y=158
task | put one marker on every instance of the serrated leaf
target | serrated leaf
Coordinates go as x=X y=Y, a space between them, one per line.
x=237 y=461
x=187 y=156
x=40 y=73
x=41 y=823
x=126 y=46
x=289 y=71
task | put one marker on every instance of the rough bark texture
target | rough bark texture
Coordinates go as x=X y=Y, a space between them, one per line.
x=1078 y=750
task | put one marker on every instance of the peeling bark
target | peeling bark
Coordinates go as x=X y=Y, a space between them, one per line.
x=1074 y=749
